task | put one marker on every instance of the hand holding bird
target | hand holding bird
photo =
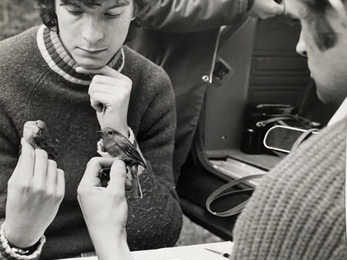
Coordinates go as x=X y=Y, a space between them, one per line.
x=114 y=144
x=35 y=189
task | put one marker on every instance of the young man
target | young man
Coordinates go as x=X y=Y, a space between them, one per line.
x=75 y=74
x=298 y=211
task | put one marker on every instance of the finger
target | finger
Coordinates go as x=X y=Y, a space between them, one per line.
x=91 y=174
x=99 y=100
x=280 y=9
x=117 y=177
x=96 y=102
x=40 y=170
x=338 y=7
x=106 y=70
x=108 y=87
x=51 y=177
x=25 y=166
x=107 y=80
x=60 y=186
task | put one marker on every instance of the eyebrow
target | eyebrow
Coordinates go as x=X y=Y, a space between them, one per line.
x=119 y=3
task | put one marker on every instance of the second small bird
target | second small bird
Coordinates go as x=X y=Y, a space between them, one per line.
x=117 y=145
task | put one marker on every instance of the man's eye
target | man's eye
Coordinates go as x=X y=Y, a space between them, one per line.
x=74 y=10
x=112 y=15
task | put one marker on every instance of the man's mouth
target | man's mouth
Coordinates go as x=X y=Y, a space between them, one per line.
x=92 y=51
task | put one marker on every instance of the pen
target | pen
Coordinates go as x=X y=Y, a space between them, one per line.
x=226 y=255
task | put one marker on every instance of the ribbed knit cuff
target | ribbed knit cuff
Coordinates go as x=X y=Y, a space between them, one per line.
x=7 y=253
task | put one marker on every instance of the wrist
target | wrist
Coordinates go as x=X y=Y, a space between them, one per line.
x=112 y=247
x=8 y=251
x=20 y=237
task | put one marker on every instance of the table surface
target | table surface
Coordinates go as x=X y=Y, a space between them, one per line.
x=192 y=252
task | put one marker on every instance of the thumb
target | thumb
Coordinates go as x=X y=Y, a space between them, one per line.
x=280 y=8
x=117 y=177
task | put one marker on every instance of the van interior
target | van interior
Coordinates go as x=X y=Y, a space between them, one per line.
x=267 y=71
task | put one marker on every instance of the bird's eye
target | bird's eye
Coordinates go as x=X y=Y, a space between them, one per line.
x=110 y=132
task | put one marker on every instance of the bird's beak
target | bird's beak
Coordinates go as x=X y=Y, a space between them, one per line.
x=101 y=133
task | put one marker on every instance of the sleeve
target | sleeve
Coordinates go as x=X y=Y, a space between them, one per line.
x=298 y=210
x=181 y=16
x=156 y=220
x=9 y=153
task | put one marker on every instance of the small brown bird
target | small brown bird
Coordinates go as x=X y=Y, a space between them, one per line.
x=36 y=134
x=117 y=145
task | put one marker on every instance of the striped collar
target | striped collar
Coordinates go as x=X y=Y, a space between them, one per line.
x=62 y=63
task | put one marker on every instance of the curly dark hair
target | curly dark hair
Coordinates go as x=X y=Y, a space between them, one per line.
x=325 y=36
x=49 y=17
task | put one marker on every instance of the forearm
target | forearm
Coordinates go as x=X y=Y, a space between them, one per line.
x=156 y=220
x=180 y=16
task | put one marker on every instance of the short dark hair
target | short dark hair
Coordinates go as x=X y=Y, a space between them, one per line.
x=325 y=36
x=49 y=17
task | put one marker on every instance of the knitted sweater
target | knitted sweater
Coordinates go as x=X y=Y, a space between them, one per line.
x=298 y=210
x=38 y=81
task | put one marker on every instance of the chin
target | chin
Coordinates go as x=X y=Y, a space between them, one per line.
x=91 y=66
x=330 y=99
x=89 y=63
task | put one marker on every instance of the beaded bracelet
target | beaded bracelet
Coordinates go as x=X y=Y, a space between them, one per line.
x=8 y=252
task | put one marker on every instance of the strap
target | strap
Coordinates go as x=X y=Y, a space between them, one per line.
x=303 y=137
x=222 y=192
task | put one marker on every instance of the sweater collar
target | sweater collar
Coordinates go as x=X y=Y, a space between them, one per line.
x=340 y=114
x=62 y=63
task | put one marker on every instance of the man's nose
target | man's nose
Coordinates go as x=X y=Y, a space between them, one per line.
x=301 y=46
x=91 y=31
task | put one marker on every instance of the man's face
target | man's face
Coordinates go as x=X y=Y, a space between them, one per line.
x=92 y=36
x=327 y=63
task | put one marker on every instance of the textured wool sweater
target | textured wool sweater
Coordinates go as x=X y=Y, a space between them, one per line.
x=298 y=210
x=38 y=81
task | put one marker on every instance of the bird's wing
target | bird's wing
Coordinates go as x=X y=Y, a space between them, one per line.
x=131 y=151
x=44 y=141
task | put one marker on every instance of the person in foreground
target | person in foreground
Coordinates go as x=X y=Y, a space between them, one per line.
x=298 y=211
x=105 y=205
x=75 y=74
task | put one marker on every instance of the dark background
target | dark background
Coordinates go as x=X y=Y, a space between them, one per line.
x=17 y=16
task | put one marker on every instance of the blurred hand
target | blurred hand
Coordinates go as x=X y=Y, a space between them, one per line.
x=265 y=9
x=105 y=210
x=109 y=96
x=35 y=191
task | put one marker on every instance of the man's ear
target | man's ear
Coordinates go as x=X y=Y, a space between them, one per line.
x=340 y=8
x=135 y=12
